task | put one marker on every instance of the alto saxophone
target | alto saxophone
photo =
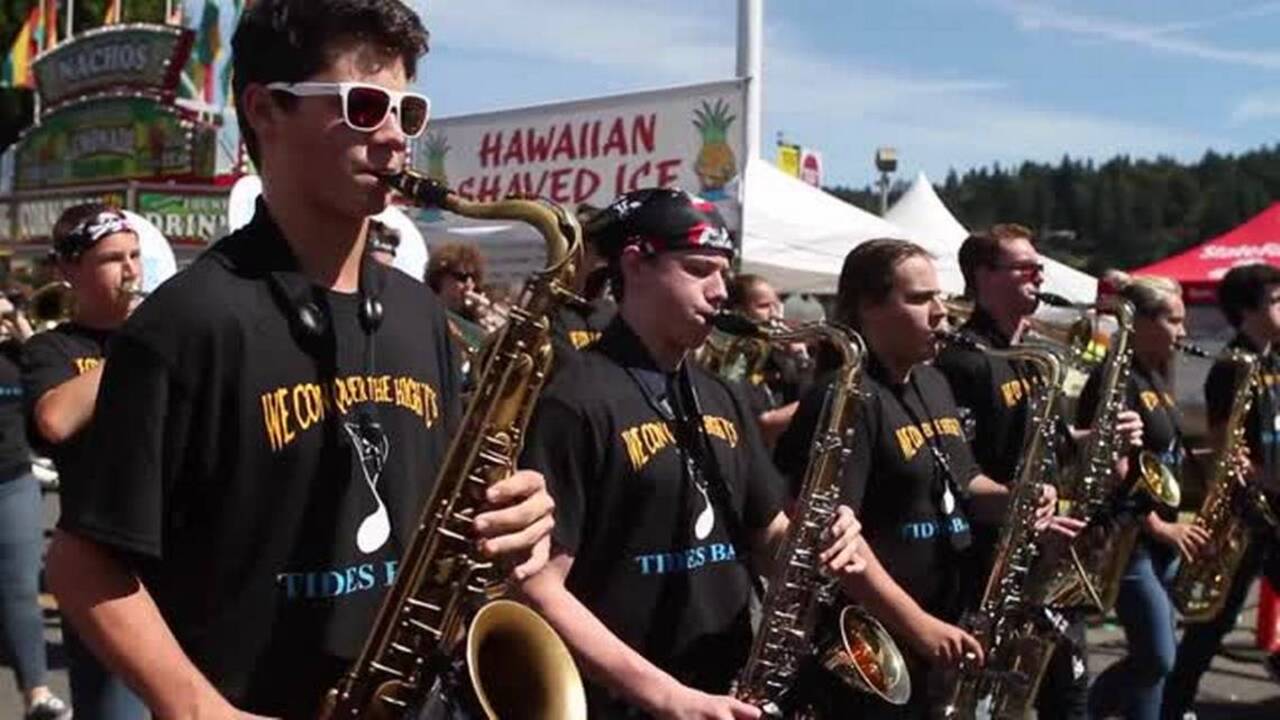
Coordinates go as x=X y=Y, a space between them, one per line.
x=1200 y=588
x=1017 y=634
x=442 y=606
x=1086 y=570
x=862 y=654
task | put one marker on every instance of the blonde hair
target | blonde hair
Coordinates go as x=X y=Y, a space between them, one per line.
x=1150 y=293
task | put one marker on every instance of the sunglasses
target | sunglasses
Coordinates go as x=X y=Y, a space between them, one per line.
x=462 y=276
x=1023 y=268
x=366 y=107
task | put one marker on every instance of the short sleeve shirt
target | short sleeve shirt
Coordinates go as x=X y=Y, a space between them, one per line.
x=894 y=481
x=1149 y=396
x=15 y=453
x=50 y=359
x=1262 y=425
x=231 y=472
x=628 y=507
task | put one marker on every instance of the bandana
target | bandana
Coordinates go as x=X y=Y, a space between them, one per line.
x=89 y=232
x=659 y=220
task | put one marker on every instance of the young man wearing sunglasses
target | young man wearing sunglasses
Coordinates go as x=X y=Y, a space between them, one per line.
x=260 y=467
x=1003 y=274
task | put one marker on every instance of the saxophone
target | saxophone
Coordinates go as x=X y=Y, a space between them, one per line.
x=1087 y=569
x=1017 y=634
x=445 y=604
x=1200 y=588
x=863 y=654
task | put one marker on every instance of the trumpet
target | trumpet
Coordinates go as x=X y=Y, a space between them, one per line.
x=487 y=313
x=51 y=304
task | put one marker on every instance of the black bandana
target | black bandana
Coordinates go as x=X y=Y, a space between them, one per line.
x=89 y=232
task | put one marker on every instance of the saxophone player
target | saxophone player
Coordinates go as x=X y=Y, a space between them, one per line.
x=1003 y=274
x=911 y=478
x=259 y=467
x=1133 y=687
x=1249 y=297
x=665 y=492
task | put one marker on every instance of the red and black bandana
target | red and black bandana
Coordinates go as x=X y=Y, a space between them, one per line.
x=659 y=220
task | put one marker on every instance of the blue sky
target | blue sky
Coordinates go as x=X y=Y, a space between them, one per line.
x=950 y=83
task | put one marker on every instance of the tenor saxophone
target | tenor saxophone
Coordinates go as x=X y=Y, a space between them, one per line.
x=1017 y=634
x=1086 y=571
x=444 y=611
x=861 y=653
x=1200 y=588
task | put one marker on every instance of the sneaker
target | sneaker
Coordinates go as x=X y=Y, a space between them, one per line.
x=49 y=708
x=1272 y=664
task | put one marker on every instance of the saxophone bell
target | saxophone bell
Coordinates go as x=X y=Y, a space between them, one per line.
x=866 y=657
x=1157 y=481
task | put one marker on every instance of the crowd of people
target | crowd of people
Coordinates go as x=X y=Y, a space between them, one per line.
x=244 y=455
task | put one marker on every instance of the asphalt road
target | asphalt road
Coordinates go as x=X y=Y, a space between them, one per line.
x=1236 y=688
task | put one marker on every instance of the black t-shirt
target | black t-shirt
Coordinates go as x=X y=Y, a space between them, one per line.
x=1146 y=394
x=627 y=507
x=894 y=481
x=50 y=359
x=15 y=453
x=1262 y=426
x=228 y=475
x=994 y=391
x=579 y=325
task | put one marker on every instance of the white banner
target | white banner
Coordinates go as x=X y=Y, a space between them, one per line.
x=587 y=151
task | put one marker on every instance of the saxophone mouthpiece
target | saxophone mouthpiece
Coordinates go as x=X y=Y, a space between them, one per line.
x=1055 y=300
x=1193 y=350
x=734 y=324
x=418 y=189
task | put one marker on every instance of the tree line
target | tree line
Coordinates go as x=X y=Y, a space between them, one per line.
x=1120 y=213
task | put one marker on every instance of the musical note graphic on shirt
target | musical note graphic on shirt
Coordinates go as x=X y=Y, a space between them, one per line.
x=371 y=446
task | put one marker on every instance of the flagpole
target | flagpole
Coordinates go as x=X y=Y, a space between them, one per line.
x=168 y=11
x=71 y=13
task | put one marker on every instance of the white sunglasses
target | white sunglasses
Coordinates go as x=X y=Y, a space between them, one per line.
x=366 y=107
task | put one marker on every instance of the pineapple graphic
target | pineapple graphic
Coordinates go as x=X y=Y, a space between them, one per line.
x=437 y=147
x=716 y=165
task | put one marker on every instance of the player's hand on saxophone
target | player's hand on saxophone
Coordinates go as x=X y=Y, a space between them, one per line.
x=843 y=554
x=517 y=527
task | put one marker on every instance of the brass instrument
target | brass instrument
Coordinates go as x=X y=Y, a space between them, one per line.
x=51 y=304
x=1087 y=569
x=442 y=604
x=1018 y=636
x=862 y=653
x=1200 y=588
x=740 y=355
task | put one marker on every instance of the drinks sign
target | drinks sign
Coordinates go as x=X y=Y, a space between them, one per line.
x=186 y=218
x=145 y=59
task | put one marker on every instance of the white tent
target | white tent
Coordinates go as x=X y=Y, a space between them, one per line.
x=923 y=215
x=797 y=235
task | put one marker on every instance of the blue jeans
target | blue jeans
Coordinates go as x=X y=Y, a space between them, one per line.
x=95 y=692
x=21 y=540
x=1134 y=686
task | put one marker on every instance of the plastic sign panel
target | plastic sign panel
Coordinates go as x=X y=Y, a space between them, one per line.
x=141 y=59
x=113 y=139
x=185 y=218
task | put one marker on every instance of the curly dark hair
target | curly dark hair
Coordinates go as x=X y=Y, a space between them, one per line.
x=292 y=40
x=454 y=257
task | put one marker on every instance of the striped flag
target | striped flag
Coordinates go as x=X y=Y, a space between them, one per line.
x=17 y=66
x=114 y=13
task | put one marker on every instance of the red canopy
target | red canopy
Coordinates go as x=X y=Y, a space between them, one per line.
x=1200 y=268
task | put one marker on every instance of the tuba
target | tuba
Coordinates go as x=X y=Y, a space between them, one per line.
x=1087 y=570
x=862 y=653
x=1200 y=588
x=1017 y=634
x=446 y=605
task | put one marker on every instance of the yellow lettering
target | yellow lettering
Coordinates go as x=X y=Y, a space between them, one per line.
x=283 y=409
x=272 y=421
x=635 y=448
x=432 y=412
